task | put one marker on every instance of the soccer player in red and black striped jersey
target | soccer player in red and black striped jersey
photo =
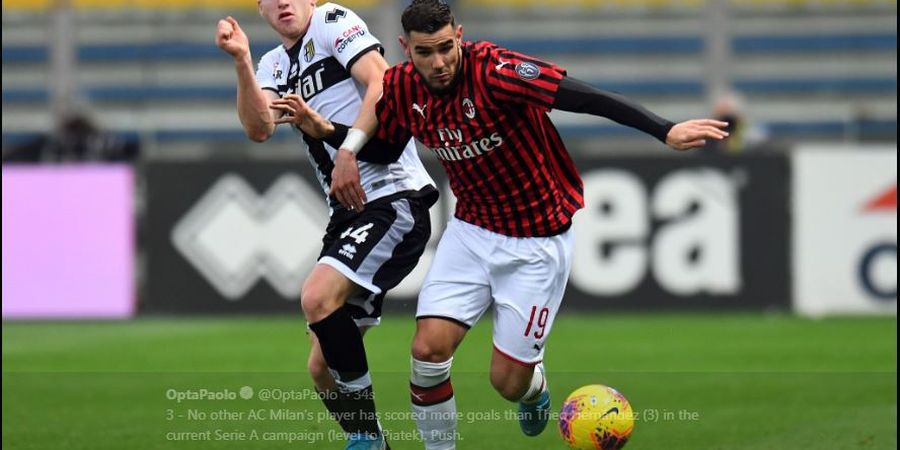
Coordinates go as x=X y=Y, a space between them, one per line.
x=482 y=110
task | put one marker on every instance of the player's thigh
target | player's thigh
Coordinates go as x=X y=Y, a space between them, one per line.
x=528 y=289
x=376 y=251
x=457 y=286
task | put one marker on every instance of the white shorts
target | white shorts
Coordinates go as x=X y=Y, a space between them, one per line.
x=524 y=278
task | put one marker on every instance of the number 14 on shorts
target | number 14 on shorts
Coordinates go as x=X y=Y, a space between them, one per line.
x=358 y=234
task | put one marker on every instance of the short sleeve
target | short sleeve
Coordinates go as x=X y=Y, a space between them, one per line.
x=518 y=78
x=347 y=35
x=269 y=73
x=391 y=125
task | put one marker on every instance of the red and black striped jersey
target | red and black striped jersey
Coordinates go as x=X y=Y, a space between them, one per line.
x=507 y=165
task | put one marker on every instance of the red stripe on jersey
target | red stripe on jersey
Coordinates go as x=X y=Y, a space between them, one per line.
x=506 y=162
x=421 y=396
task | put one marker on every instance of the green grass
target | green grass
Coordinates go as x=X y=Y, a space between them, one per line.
x=730 y=382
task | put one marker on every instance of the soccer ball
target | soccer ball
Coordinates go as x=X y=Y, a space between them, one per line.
x=596 y=417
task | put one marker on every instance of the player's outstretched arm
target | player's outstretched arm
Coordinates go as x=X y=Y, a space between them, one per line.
x=252 y=102
x=577 y=96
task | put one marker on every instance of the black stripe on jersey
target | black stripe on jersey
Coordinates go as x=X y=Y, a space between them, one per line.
x=270 y=89
x=533 y=225
x=570 y=173
x=362 y=52
x=477 y=170
x=519 y=157
x=389 y=113
x=494 y=208
x=530 y=88
x=472 y=79
x=324 y=163
x=531 y=136
x=543 y=224
x=320 y=76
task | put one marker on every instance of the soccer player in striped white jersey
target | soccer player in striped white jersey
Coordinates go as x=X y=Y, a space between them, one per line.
x=330 y=60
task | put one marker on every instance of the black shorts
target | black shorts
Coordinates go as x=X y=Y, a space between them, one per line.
x=377 y=249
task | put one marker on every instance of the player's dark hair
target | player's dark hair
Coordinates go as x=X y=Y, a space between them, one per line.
x=426 y=16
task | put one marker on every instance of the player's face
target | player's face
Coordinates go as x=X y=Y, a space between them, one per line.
x=435 y=56
x=289 y=18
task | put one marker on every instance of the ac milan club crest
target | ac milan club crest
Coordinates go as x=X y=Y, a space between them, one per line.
x=468 y=108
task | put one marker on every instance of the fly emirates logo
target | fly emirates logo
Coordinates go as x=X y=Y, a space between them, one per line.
x=455 y=148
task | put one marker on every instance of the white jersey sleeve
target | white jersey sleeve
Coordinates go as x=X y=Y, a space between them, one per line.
x=270 y=73
x=346 y=35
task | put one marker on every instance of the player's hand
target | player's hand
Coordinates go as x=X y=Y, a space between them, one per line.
x=297 y=112
x=345 y=185
x=694 y=133
x=232 y=39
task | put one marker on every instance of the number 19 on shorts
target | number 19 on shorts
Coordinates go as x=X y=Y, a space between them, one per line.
x=537 y=322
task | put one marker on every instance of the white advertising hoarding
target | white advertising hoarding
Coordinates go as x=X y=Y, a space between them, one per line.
x=845 y=230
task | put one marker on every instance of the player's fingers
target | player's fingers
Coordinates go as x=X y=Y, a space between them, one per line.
x=233 y=22
x=297 y=103
x=284 y=119
x=714 y=132
x=354 y=199
x=713 y=123
x=223 y=27
x=341 y=198
x=283 y=108
x=361 y=195
x=693 y=144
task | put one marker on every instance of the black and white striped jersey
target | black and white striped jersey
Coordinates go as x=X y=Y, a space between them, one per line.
x=318 y=69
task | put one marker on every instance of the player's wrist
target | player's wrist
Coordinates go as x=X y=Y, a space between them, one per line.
x=242 y=58
x=328 y=130
x=354 y=141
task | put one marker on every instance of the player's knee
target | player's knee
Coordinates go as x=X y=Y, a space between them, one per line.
x=430 y=350
x=317 y=304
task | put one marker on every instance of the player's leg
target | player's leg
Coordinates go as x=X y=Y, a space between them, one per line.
x=326 y=385
x=318 y=368
x=373 y=254
x=341 y=345
x=431 y=392
x=454 y=296
x=529 y=282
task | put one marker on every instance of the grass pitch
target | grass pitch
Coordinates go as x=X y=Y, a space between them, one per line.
x=729 y=382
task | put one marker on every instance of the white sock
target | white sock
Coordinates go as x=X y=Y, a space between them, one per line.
x=433 y=404
x=538 y=385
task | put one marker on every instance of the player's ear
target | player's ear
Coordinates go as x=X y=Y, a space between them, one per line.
x=259 y=6
x=459 y=33
x=405 y=45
